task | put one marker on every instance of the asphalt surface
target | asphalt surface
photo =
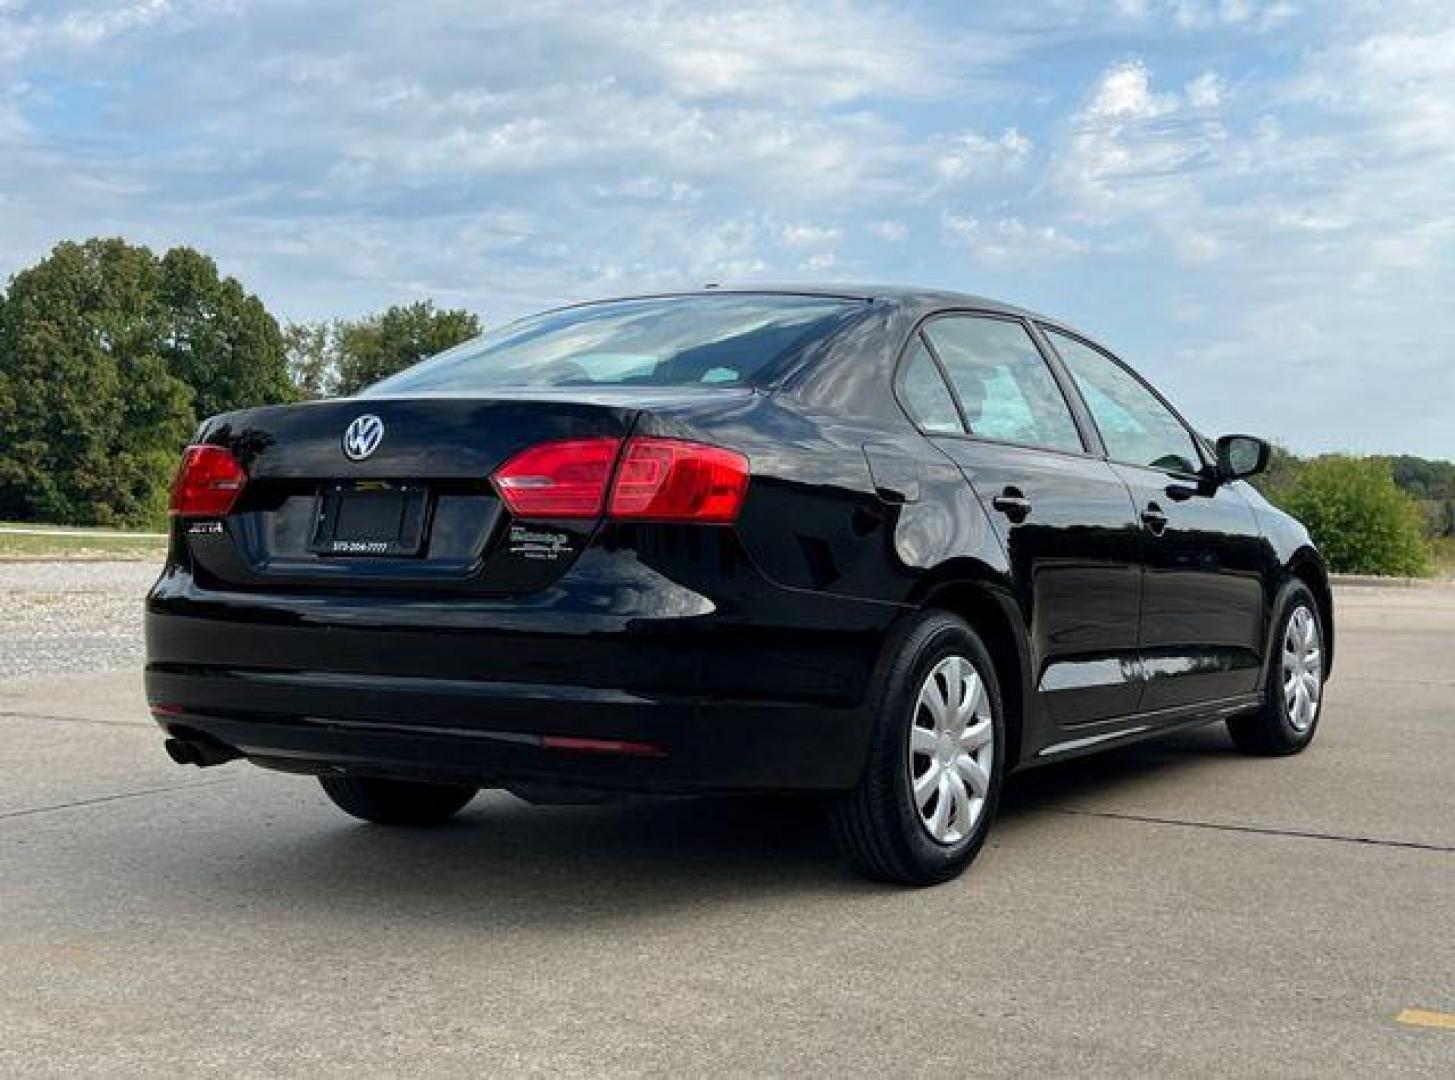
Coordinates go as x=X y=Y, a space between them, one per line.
x=1175 y=909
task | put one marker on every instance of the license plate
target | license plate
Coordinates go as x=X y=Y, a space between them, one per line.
x=371 y=520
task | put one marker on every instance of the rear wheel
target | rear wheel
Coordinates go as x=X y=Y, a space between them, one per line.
x=396 y=802
x=1295 y=691
x=925 y=801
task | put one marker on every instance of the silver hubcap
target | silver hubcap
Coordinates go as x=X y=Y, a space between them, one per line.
x=951 y=750
x=1303 y=669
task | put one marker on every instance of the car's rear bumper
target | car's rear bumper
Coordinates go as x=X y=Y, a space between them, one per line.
x=497 y=733
x=697 y=697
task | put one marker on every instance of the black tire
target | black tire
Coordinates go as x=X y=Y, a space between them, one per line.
x=1271 y=731
x=396 y=802
x=877 y=824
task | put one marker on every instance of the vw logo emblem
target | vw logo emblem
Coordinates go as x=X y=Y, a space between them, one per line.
x=363 y=436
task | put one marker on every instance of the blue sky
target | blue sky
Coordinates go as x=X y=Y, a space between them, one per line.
x=1251 y=200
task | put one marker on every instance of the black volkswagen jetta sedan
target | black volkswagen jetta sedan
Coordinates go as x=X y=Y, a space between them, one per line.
x=885 y=545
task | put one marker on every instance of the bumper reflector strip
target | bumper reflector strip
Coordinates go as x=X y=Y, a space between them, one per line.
x=602 y=746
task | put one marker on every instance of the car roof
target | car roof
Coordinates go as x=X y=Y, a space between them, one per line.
x=905 y=296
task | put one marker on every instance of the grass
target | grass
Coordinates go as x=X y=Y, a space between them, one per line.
x=77 y=543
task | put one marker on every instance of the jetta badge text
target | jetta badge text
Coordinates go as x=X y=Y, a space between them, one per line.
x=363 y=436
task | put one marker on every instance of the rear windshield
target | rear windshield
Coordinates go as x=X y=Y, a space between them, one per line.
x=722 y=340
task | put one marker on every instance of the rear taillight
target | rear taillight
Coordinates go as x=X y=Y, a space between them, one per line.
x=564 y=479
x=648 y=479
x=672 y=480
x=208 y=482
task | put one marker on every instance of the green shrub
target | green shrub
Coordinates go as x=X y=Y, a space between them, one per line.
x=1283 y=469
x=1362 y=522
x=1443 y=555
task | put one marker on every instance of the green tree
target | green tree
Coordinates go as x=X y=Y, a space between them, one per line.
x=93 y=418
x=1360 y=519
x=1425 y=479
x=217 y=338
x=312 y=364
x=108 y=357
x=1433 y=484
x=346 y=355
x=378 y=346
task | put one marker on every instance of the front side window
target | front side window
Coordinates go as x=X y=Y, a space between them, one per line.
x=1007 y=391
x=725 y=339
x=1136 y=427
x=926 y=397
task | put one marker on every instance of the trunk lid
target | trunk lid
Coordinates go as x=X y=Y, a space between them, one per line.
x=429 y=465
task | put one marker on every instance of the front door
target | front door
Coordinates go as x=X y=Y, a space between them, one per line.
x=1202 y=598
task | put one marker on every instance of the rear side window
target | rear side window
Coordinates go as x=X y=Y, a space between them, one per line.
x=725 y=339
x=1136 y=427
x=926 y=397
x=1007 y=391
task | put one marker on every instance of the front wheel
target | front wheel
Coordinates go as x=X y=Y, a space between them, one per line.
x=396 y=802
x=928 y=793
x=1294 y=695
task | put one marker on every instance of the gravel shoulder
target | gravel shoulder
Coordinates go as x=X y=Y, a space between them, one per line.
x=72 y=616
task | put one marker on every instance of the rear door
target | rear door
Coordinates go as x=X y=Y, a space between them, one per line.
x=1202 y=597
x=1064 y=516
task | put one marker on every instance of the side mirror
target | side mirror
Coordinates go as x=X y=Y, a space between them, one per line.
x=1242 y=455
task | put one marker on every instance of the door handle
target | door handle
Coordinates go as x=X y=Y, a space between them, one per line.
x=1012 y=504
x=1154 y=519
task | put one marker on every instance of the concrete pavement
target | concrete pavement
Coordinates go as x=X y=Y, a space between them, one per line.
x=1171 y=909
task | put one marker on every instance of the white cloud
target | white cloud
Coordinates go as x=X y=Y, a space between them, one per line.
x=649 y=187
x=1124 y=92
x=1202 y=15
x=90 y=27
x=1130 y=149
x=837 y=52
x=966 y=155
x=808 y=235
x=1206 y=91
x=1008 y=239
x=1402 y=81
